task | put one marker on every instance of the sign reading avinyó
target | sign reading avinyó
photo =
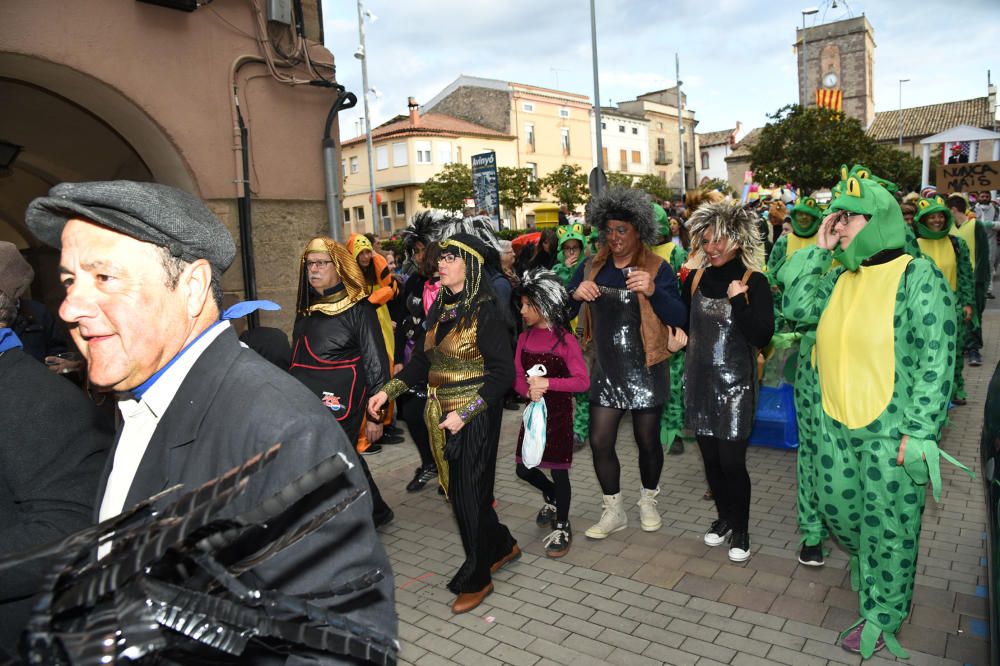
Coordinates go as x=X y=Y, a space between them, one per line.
x=969 y=177
x=485 y=188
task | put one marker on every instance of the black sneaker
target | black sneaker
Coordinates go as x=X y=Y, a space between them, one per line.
x=390 y=439
x=421 y=478
x=975 y=358
x=372 y=450
x=812 y=556
x=716 y=535
x=392 y=430
x=558 y=542
x=678 y=447
x=383 y=518
x=547 y=515
x=739 y=546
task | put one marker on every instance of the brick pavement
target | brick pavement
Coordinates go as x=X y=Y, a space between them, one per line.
x=664 y=597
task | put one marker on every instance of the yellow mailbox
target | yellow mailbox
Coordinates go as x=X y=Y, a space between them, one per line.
x=546 y=216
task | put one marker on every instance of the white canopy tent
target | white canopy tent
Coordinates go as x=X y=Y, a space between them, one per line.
x=954 y=135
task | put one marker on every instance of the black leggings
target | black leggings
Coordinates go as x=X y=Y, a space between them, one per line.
x=411 y=410
x=726 y=471
x=604 y=435
x=557 y=491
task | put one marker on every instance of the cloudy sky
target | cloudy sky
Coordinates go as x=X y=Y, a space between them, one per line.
x=737 y=61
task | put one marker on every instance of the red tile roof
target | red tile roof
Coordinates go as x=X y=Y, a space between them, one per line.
x=430 y=124
x=924 y=121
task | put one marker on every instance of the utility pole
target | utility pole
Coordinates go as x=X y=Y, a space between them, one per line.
x=362 y=55
x=597 y=90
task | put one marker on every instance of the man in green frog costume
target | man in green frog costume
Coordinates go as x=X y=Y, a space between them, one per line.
x=672 y=417
x=933 y=224
x=885 y=353
x=806 y=219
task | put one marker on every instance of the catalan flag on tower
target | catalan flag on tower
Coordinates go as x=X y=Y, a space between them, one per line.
x=832 y=99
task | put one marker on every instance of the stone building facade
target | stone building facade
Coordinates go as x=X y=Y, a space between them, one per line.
x=841 y=56
x=108 y=89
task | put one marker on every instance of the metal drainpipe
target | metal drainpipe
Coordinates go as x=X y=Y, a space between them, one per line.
x=246 y=232
x=331 y=164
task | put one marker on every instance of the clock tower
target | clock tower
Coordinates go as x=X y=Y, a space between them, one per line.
x=841 y=56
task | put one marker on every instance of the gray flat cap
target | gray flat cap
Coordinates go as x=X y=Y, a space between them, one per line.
x=149 y=212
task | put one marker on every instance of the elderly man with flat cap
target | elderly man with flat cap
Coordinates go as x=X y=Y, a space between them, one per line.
x=52 y=449
x=142 y=265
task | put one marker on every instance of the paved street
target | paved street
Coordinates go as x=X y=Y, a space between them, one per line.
x=664 y=597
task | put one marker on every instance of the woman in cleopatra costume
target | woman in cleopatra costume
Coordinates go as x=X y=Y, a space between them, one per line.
x=732 y=317
x=468 y=364
x=672 y=417
x=885 y=349
x=933 y=225
x=337 y=348
x=633 y=311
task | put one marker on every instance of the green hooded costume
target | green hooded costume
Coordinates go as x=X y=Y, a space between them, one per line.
x=951 y=255
x=672 y=417
x=567 y=233
x=885 y=349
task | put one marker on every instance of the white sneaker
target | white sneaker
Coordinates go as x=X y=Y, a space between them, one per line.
x=717 y=533
x=649 y=517
x=612 y=520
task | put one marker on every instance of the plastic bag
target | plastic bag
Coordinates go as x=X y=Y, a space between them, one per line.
x=535 y=419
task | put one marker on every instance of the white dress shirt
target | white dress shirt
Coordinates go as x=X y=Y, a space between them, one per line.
x=140 y=420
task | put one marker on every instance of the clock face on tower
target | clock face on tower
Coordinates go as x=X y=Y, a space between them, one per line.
x=830 y=80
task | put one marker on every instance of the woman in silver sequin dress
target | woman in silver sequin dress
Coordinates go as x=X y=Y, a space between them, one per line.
x=633 y=307
x=731 y=317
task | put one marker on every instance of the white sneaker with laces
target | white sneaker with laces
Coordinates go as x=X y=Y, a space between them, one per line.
x=649 y=517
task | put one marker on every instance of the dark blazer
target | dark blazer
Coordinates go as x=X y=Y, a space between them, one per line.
x=52 y=449
x=233 y=404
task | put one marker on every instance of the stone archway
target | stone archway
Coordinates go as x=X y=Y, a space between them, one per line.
x=71 y=127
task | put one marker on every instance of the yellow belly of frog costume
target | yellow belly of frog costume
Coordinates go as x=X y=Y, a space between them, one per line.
x=885 y=348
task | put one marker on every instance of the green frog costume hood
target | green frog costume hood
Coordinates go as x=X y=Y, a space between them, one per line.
x=927 y=207
x=809 y=207
x=885 y=230
x=570 y=232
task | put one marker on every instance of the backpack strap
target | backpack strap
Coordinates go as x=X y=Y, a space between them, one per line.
x=695 y=280
x=744 y=280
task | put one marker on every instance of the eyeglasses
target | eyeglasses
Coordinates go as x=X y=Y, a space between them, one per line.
x=447 y=258
x=319 y=263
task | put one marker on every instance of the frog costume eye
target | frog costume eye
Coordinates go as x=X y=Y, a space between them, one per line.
x=578 y=228
x=853 y=188
x=863 y=173
x=561 y=231
x=924 y=203
x=810 y=202
x=844 y=172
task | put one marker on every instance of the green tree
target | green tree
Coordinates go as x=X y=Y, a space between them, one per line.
x=654 y=186
x=516 y=186
x=619 y=179
x=806 y=146
x=895 y=165
x=568 y=184
x=449 y=188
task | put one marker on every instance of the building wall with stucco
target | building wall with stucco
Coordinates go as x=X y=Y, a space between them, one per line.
x=106 y=89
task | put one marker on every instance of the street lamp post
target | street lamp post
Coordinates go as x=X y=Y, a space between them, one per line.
x=901 y=82
x=805 y=55
x=362 y=55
